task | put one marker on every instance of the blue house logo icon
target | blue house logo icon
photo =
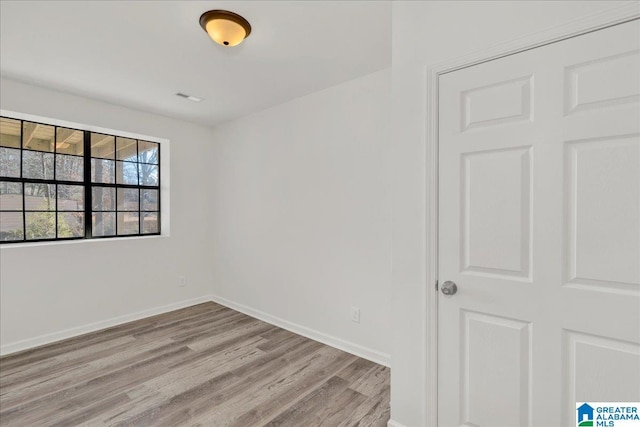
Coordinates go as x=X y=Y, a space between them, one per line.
x=585 y=415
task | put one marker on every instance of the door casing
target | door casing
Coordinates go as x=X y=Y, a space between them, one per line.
x=585 y=25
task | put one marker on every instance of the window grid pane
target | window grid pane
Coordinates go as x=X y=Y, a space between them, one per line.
x=69 y=168
x=103 y=224
x=148 y=152
x=150 y=224
x=11 y=196
x=103 y=198
x=10 y=132
x=11 y=226
x=38 y=137
x=102 y=146
x=128 y=223
x=126 y=173
x=102 y=171
x=70 y=141
x=117 y=183
x=39 y=197
x=37 y=164
x=40 y=225
x=127 y=149
x=9 y=162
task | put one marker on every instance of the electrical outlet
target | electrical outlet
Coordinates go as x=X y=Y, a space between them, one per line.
x=182 y=281
x=355 y=314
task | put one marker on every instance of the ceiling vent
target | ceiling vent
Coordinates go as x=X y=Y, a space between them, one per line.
x=189 y=97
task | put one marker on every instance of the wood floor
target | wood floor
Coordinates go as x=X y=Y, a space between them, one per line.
x=205 y=365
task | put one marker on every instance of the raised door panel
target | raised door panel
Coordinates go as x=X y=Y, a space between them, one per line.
x=496 y=213
x=496 y=371
x=603 y=212
x=598 y=367
x=496 y=103
x=604 y=82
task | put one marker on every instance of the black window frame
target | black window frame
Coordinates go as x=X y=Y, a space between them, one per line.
x=87 y=184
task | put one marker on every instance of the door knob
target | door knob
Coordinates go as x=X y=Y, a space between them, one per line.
x=449 y=288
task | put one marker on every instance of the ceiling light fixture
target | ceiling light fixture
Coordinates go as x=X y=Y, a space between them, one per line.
x=224 y=27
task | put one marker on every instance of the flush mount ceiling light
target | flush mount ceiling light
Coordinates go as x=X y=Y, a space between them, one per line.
x=224 y=27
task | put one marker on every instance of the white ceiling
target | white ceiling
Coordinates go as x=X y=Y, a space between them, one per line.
x=140 y=53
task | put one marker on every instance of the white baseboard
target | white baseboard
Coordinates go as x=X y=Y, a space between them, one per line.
x=96 y=326
x=392 y=423
x=349 y=347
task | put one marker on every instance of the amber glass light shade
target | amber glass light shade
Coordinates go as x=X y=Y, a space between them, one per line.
x=224 y=27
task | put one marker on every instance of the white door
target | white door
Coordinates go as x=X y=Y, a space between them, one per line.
x=539 y=228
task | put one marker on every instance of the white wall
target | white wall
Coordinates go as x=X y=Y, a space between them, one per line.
x=302 y=219
x=50 y=291
x=424 y=34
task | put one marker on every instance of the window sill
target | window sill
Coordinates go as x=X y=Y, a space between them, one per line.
x=19 y=245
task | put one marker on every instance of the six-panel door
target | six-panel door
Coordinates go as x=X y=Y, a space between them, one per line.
x=539 y=227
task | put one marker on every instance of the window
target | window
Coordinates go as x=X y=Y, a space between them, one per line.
x=58 y=183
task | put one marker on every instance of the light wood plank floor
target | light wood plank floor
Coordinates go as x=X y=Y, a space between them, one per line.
x=205 y=365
